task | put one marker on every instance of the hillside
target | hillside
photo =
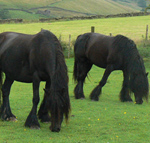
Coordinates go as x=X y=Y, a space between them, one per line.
x=36 y=9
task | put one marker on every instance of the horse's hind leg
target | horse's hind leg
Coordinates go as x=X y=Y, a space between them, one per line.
x=124 y=94
x=43 y=112
x=82 y=68
x=5 y=112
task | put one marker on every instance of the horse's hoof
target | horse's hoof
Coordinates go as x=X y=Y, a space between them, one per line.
x=35 y=127
x=138 y=102
x=47 y=122
x=82 y=98
x=93 y=100
x=130 y=101
x=11 y=119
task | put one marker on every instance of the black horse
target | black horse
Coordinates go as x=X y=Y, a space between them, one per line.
x=111 y=53
x=31 y=59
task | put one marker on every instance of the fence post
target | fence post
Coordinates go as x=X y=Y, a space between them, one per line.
x=69 y=46
x=60 y=38
x=110 y=34
x=146 y=37
x=92 y=29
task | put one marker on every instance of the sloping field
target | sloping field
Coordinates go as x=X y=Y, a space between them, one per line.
x=28 y=9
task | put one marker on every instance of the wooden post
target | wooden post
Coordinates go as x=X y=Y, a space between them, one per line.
x=110 y=34
x=69 y=46
x=92 y=29
x=60 y=38
x=146 y=37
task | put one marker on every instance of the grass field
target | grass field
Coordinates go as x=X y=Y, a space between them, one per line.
x=105 y=121
x=133 y=27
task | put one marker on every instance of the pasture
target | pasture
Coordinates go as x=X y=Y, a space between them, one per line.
x=59 y=8
x=107 y=120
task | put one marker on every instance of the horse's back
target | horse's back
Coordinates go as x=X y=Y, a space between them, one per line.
x=11 y=40
x=22 y=54
x=96 y=48
x=14 y=55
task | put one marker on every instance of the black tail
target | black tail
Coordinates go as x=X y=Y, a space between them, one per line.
x=75 y=70
x=59 y=97
x=1 y=82
x=80 y=45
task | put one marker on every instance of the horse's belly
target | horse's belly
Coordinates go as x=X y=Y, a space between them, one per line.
x=99 y=61
x=18 y=73
x=21 y=77
x=101 y=64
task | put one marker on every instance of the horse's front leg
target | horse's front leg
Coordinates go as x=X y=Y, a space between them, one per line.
x=5 y=112
x=32 y=120
x=43 y=110
x=97 y=90
x=124 y=94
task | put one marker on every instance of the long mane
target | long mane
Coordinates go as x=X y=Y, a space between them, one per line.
x=133 y=62
x=60 y=85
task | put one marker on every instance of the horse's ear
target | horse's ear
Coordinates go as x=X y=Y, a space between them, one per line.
x=42 y=29
x=147 y=73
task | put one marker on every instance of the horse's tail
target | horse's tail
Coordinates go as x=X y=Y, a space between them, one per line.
x=1 y=82
x=59 y=98
x=80 y=46
x=75 y=70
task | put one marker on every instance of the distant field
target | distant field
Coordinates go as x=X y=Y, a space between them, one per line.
x=67 y=8
x=133 y=27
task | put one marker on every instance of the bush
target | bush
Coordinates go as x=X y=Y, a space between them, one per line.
x=65 y=45
x=144 y=48
x=4 y=14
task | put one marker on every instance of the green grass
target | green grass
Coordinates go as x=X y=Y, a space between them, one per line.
x=132 y=27
x=107 y=120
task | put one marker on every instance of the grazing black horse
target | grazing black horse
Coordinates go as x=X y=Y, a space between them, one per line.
x=31 y=59
x=110 y=53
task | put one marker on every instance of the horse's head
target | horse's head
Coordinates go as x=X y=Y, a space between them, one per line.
x=58 y=105
x=139 y=86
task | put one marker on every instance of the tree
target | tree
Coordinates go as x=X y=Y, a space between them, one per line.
x=148 y=7
x=4 y=14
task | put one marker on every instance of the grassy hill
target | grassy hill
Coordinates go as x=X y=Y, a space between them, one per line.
x=36 y=9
